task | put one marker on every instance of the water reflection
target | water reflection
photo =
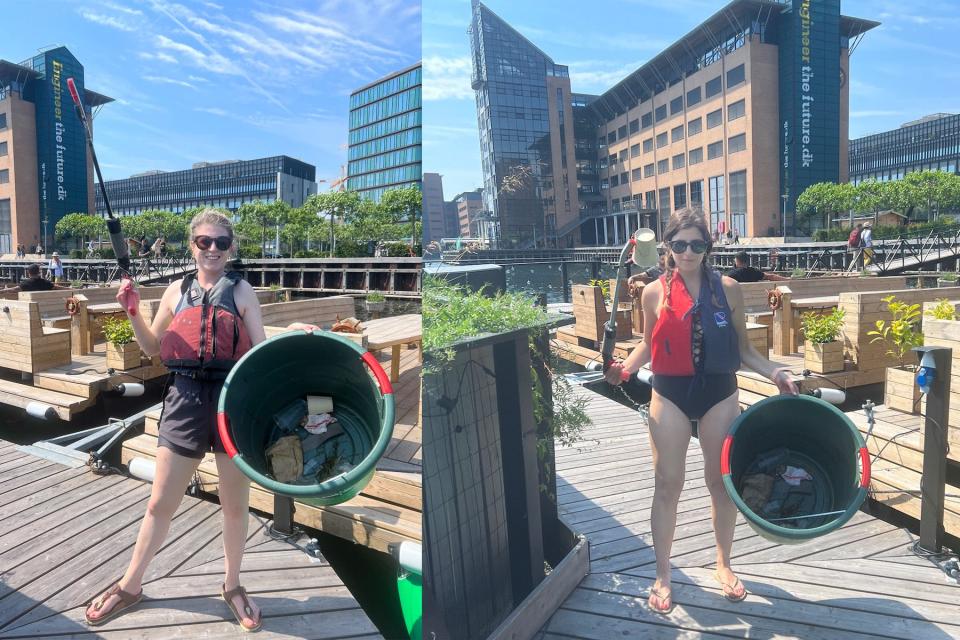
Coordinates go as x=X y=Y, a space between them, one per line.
x=554 y=279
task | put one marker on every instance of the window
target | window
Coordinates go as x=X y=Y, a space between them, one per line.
x=737 y=143
x=676 y=105
x=714 y=118
x=679 y=161
x=622 y=132
x=648 y=145
x=714 y=87
x=635 y=175
x=696 y=193
x=694 y=127
x=634 y=126
x=614 y=181
x=676 y=134
x=696 y=155
x=4 y=176
x=680 y=196
x=735 y=76
x=3 y=148
x=693 y=97
x=660 y=113
x=623 y=155
x=716 y=201
x=715 y=150
x=635 y=150
x=646 y=120
x=736 y=110
x=601 y=142
x=624 y=178
x=3 y=121
x=661 y=140
x=664 y=203
x=663 y=166
x=651 y=198
x=738 y=201
x=612 y=159
x=611 y=137
x=648 y=170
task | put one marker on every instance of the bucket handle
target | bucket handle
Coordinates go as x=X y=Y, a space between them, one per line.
x=223 y=426
x=865 y=468
x=382 y=379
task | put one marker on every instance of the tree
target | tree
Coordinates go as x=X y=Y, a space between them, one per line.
x=405 y=205
x=256 y=217
x=336 y=205
x=929 y=189
x=80 y=227
x=825 y=199
x=153 y=223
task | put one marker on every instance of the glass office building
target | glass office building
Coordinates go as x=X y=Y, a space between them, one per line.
x=44 y=170
x=225 y=185
x=526 y=123
x=930 y=143
x=385 y=134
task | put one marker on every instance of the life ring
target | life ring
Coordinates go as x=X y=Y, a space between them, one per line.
x=775 y=299
x=72 y=306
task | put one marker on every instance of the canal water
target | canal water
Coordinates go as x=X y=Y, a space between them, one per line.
x=554 y=279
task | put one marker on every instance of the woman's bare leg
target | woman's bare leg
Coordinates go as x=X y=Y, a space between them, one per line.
x=234 y=504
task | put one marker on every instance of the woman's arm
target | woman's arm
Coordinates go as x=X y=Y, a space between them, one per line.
x=650 y=303
x=249 y=307
x=149 y=337
x=748 y=354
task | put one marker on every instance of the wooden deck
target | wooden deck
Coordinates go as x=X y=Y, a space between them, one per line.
x=66 y=534
x=386 y=512
x=862 y=581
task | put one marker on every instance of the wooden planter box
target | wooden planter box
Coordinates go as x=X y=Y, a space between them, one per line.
x=823 y=357
x=123 y=357
x=901 y=390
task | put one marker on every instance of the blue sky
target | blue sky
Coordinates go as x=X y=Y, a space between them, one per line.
x=904 y=69
x=235 y=79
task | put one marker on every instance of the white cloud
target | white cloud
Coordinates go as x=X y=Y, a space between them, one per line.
x=210 y=61
x=165 y=80
x=447 y=78
x=160 y=57
x=197 y=79
x=105 y=20
x=216 y=111
x=121 y=8
x=595 y=76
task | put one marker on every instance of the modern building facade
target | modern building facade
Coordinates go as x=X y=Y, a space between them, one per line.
x=737 y=118
x=433 y=208
x=930 y=143
x=45 y=170
x=226 y=185
x=470 y=222
x=385 y=134
x=525 y=117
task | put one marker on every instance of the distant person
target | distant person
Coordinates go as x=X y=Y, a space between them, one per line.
x=736 y=237
x=34 y=281
x=143 y=249
x=55 y=267
x=90 y=249
x=39 y=250
x=866 y=241
x=743 y=272
x=21 y=252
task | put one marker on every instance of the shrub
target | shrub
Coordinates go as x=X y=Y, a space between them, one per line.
x=943 y=311
x=376 y=296
x=902 y=333
x=117 y=331
x=823 y=328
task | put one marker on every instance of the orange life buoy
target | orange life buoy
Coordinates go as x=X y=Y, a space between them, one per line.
x=72 y=306
x=775 y=299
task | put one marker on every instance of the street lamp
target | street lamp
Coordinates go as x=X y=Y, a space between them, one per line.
x=784 y=197
x=45 y=220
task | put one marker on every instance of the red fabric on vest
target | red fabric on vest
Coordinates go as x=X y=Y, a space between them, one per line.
x=671 y=341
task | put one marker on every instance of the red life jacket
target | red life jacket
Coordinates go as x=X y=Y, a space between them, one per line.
x=672 y=337
x=207 y=335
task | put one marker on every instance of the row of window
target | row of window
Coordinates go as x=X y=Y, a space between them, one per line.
x=949 y=166
x=693 y=156
x=376 y=194
x=389 y=87
x=386 y=127
x=398 y=103
x=693 y=97
x=382 y=178
x=387 y=143
x=385 y=161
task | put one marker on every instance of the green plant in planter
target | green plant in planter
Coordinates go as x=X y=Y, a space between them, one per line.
x=798 y=273
x=943 y=311
x=275 y=287
x=375 y=296
x=117 y=331
x=948 y=276
x=604 y=287
x=902 y=333
x=822 y=328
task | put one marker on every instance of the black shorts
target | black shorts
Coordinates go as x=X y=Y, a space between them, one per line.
x=188 y=422
x=695 y=397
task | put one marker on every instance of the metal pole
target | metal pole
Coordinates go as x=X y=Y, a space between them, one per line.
x=935 y=451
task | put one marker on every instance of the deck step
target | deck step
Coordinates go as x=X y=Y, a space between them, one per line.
x=20 y=395
x=384 y=514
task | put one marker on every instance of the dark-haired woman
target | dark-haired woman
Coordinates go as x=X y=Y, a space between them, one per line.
x=697 y=343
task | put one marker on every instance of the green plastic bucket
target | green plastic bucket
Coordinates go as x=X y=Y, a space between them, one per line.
x=291 y=366
x=821 y=440
x=410 y=588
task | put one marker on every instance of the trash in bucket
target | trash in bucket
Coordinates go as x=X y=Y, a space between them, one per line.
x=796 y=467
x=265 y=400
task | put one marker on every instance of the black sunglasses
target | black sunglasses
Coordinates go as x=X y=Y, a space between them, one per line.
x=679 y=246
x=204 y=242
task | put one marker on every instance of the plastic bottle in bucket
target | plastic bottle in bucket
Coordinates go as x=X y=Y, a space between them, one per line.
x=811 y=451
x=292 y=366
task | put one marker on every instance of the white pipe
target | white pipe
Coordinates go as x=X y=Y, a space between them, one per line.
x=130 y=389
x=142 y=468
x=411 y=557
x=41 y=410
x=645 y=376
x=833 y=396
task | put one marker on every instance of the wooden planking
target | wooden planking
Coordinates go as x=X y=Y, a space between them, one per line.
x=822 y=588
x=85 y=547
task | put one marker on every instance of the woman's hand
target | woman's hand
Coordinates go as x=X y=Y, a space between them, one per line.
x=309 y=328
x=784 y=381
x=128 y=296
x=614 y=375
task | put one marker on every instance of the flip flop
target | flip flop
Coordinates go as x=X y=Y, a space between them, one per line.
x=667 y=600
x=730 y=590
x=247 y=609
x=127 y=600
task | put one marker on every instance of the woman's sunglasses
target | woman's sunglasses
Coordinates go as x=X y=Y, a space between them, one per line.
x=679 y=246
x=205 y=242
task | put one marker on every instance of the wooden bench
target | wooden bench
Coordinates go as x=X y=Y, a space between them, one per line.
x=25 y=344
x=53 y=303
x=591 y=313
x=323 y=312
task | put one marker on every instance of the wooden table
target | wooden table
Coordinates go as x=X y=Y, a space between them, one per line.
x=393 y=332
